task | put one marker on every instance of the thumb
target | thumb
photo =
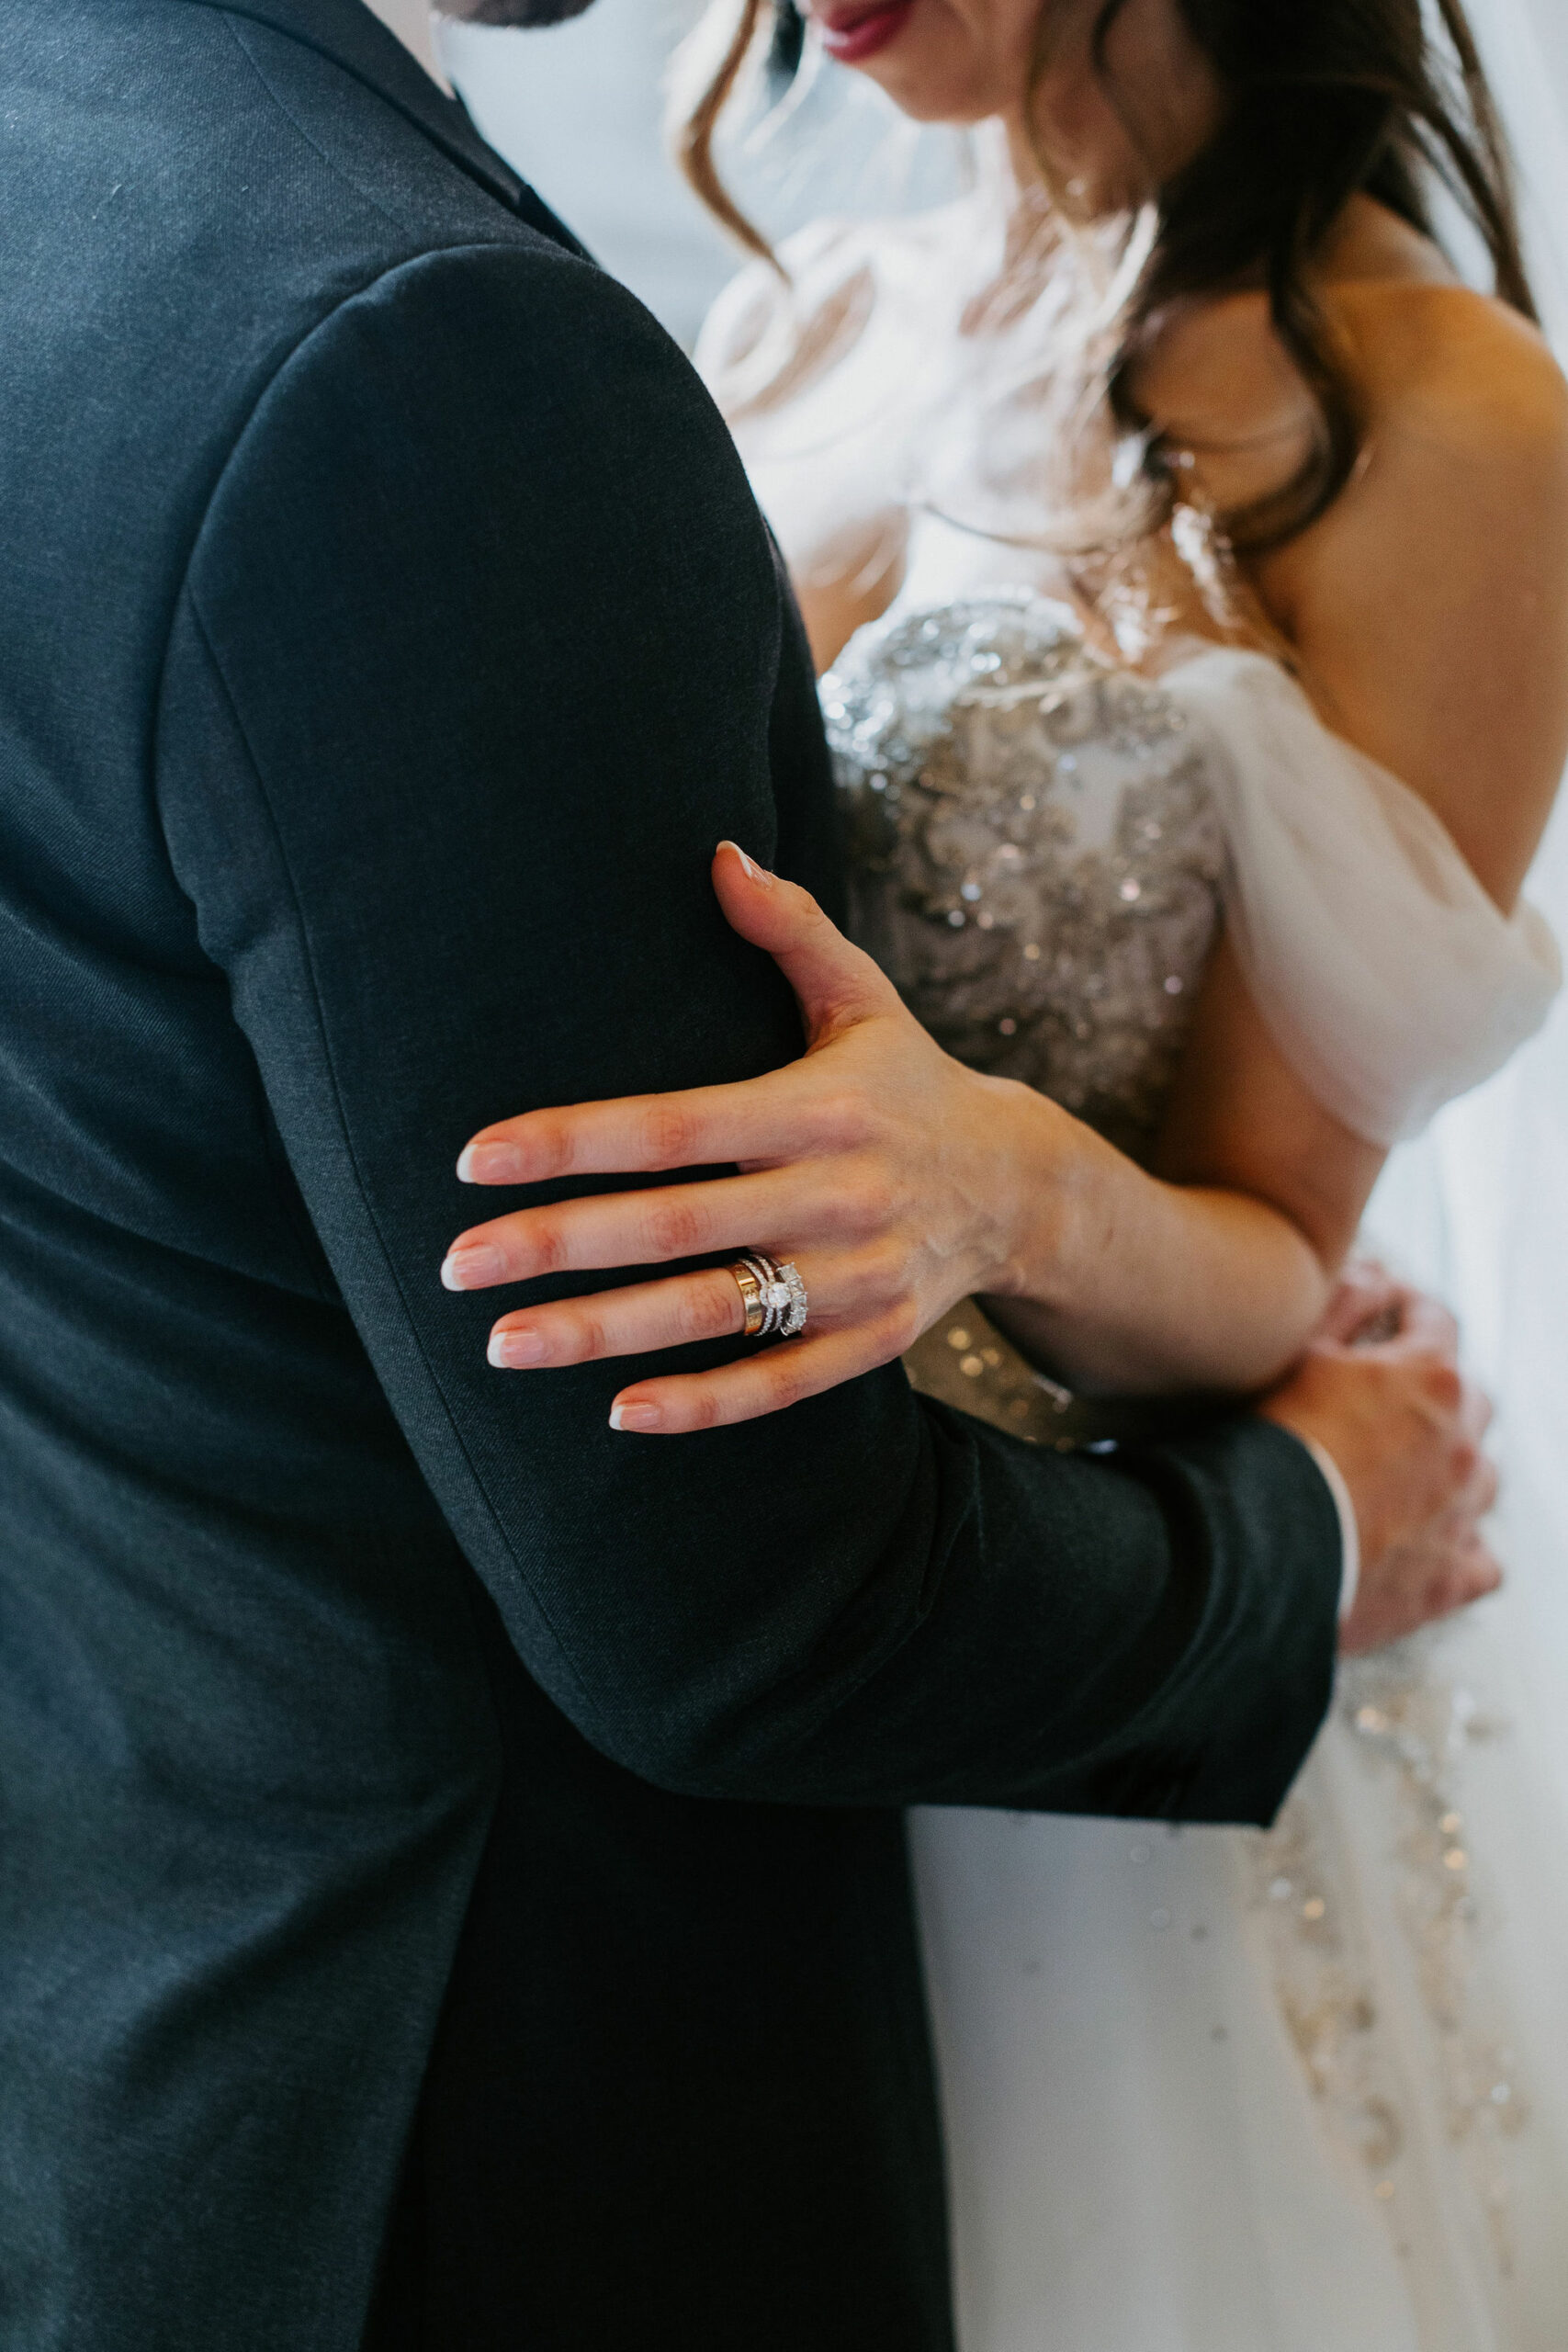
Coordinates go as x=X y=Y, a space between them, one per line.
x=836 y=983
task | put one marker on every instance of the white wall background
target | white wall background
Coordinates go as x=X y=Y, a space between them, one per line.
x=578 y=110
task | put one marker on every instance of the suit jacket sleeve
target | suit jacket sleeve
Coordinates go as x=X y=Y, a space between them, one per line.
x=478 y=655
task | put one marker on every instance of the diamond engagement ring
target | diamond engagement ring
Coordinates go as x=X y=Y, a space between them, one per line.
x=772 y=1294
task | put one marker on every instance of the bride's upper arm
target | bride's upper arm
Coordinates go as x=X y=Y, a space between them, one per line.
x=1428 y=610
x=1429 y=607
x=1241 y=1117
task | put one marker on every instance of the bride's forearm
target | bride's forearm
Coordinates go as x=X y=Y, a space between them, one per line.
x=1127 y=1283
x=905 y=1181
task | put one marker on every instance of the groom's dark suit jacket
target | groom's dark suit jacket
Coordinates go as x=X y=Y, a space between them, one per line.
x=387 y=636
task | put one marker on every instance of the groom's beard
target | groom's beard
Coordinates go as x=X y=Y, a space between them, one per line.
x=514 y=12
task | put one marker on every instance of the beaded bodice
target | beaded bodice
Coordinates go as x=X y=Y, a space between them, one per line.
x=1041 y=843
x=1036 y=855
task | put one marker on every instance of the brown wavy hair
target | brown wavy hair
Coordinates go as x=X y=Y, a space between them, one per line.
x=1322 y=100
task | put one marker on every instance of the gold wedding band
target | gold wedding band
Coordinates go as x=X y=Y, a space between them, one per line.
x=772 y=1295
x=746 y=1284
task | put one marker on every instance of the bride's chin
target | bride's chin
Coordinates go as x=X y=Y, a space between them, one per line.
x=931 y=99
x=929 y=67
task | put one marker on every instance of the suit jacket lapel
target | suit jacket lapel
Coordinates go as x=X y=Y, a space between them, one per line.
x=345 y=32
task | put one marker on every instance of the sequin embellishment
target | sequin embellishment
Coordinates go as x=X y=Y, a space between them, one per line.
x=1413 y=1724
x=1035 y=856
x=1036 y=861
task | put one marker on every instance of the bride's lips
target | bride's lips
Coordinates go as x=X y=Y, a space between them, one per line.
x=851 y=34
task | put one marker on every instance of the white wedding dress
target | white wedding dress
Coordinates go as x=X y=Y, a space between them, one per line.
x=1218 y=2092
x=1214 y=2091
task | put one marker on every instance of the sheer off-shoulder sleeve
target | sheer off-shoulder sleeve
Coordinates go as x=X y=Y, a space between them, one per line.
x=775 y=329
x=1387 y=976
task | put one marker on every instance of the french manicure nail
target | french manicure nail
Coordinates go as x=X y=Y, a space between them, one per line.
x=755 y=873
x=515 y=1351
x=634 y=1416
x=473 y=1269
x=491 y=1163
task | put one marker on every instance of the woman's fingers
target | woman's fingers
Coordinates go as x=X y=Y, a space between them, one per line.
x=1365 y=1296
x=1425 y=1327
x=848 y=1294
x=770 y=1209
x=708 y=1126
x=1370 y=1311
x=706 y=1305
x=836 y=983
x=768 y=1382
x=635 y=1321
x=825 y=1172
x=777 y=1115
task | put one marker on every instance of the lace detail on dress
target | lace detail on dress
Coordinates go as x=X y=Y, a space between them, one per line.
x=1035 y=856
x=1324 y=1989
x=1413 y=1724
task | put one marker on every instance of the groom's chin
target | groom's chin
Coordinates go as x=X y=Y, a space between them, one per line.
x=512 y=12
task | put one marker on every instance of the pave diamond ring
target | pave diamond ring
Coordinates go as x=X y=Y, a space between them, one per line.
x=772 y=1294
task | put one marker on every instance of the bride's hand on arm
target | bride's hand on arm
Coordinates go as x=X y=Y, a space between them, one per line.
x=899 y=1181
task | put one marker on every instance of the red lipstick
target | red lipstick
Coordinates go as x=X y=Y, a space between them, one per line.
x=852 y=34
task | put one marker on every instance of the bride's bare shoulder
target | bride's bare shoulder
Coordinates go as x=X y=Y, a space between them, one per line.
x=1441 y=372
x=1457 y=372
x=1434 y=592
x=1428 y=605
x=1464 y=479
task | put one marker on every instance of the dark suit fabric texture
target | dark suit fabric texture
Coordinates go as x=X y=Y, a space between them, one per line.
x=404 y=1778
